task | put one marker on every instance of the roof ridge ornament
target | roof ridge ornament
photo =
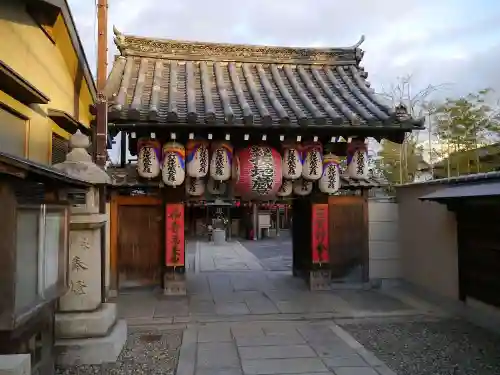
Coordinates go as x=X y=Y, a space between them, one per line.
x=131 y=45
x=119 y=40
x=359 y=42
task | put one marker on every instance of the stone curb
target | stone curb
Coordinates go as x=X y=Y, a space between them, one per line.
x=187 y=353
x=366 y=354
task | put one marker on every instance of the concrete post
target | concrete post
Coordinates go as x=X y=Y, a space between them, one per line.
x=86 y=330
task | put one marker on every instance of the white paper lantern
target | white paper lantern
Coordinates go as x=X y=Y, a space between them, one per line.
x=312 y=167
x=195 y=186
x=197 y=158
x=286 y=188
x=357 y=160
x=174 y=156
x=216 y=187
x=302 y=187
x=148 y=158
x=291 y=162
x=221 y=161
x=329 y=182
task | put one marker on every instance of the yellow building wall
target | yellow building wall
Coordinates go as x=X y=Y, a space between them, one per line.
x=51 y=68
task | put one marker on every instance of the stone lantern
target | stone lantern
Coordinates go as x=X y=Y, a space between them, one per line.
x=86 y=330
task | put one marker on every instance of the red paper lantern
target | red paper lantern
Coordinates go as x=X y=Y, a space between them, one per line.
x=258 y=172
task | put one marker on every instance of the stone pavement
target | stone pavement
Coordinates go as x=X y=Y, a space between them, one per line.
x=239 y=318
x=275 y=254
x=230 y=257
x=275 y=348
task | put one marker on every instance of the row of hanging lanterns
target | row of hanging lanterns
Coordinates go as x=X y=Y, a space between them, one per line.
x=256 y=171
x=269 y=206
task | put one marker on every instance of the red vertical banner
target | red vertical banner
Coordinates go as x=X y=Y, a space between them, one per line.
x=174 y=235
x=319 y=240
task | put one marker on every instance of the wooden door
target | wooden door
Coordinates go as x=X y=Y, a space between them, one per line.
x=348 y=236
x=479 y=253
x=140 y=245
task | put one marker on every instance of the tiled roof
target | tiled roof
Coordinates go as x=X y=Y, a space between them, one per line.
x=167 y=81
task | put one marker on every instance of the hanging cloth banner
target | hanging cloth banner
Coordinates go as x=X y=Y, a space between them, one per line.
x=174 y=239
x=319 y=240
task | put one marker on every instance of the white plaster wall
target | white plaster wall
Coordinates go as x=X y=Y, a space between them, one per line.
x=383 y=239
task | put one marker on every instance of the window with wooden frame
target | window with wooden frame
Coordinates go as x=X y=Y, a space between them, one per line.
x=60 y=148
x=45 y=15
x=13 y=132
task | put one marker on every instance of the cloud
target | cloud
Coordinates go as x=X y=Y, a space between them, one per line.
x=453 y=41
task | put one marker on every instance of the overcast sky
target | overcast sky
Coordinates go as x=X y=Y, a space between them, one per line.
x=437 y=41
x=456 y=42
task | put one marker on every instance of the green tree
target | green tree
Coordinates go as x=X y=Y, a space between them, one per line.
x=465 y=124
x=399 y=162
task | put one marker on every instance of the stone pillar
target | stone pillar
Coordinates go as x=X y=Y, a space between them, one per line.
x=86 y=330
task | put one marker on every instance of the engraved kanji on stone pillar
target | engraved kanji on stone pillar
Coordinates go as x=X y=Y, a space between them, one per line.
x=84 y=293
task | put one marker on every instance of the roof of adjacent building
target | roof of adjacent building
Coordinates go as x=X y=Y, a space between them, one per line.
x=37 y=171
x=168 y=81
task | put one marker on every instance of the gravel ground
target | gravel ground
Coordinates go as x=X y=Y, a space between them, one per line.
x=445 y=347
x=150 y=352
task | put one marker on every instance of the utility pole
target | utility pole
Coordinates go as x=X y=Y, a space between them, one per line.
x=102 y=71
x=102 y=122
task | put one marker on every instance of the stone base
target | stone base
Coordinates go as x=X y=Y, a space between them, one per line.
x=174 y=284
x=85 y=324
x=92 y=351
x=320 y=280
x=15 y=364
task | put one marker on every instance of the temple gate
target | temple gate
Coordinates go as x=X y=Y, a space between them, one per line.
x=244 y=127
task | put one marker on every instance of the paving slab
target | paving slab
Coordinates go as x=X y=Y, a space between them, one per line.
x=215 y=333
x=276 y=352
x=283 y=366
x=232 y=308
x=219 y=371
x=355 y=371
x=231 y=256
x=348 y=360
x=217 y=355
x=271 y=340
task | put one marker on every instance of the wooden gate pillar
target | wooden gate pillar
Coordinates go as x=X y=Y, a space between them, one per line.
x=320 y=274
x=310 y=243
